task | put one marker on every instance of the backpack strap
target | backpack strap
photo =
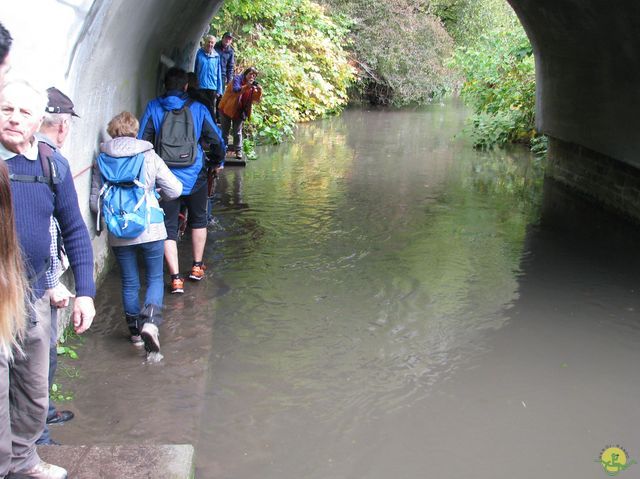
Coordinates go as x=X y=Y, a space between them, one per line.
x=50 y=175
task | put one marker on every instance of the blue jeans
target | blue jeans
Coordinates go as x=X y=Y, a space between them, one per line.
x=127 y=257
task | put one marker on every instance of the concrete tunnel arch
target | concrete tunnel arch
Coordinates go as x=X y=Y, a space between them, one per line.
x=106 y=54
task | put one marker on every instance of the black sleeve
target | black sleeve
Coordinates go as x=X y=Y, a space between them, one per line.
x=149 y=132
x=212 y=138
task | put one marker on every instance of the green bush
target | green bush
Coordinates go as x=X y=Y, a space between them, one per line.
x=400 y=49
x=499 y=85
x=298 y=50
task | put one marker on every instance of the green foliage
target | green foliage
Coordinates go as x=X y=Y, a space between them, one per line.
x=57 y=393
x=400 y=50
x=298 y=50
x=500 y=87
x=467 y=20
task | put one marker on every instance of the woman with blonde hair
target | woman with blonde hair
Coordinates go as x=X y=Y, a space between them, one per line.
x=124 y=147
x=13 y=283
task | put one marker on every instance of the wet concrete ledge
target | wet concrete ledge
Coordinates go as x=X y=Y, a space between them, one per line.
x=124 y=461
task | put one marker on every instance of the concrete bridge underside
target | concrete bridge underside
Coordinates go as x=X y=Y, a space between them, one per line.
x=107 y=55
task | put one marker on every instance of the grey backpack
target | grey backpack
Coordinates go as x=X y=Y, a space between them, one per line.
x=176 y=140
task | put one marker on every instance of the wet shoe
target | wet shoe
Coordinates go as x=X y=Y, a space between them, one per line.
x=177 y=286
x=197 y=272
x=49 y=442
x=151 y=338
x=136 y=340
x=42 y=470
x=60 y=417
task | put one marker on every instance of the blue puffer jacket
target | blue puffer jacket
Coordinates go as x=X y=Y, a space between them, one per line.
x=206 y=131
x=208 y=69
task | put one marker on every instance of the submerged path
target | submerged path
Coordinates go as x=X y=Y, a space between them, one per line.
x=383 y=301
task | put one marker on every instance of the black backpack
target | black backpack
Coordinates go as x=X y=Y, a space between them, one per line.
x=176 y=140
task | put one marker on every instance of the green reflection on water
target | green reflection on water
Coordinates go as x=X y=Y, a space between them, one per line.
x=374 y=247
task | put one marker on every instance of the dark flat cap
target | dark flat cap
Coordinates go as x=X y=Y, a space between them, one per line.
x=227 y=34
x=59 y=102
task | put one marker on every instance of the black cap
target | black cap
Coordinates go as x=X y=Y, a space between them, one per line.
x=59 y=102
x=228 y=35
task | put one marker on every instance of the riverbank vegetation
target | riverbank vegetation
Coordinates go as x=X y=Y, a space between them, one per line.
x=300 y=53
x=316 y=57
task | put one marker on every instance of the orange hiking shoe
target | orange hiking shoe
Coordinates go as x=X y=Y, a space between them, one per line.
x=197 y=272
x=177 y=286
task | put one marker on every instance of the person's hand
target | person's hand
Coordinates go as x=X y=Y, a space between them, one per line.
x=83 y=313
x=59 y=296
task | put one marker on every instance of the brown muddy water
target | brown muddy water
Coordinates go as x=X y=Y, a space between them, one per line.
x=384 y=302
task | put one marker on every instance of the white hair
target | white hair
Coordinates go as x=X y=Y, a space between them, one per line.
x=53 y=119
x=39 y=97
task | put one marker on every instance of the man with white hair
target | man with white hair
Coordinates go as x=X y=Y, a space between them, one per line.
x=208 y=69
x=41 y=186
x=54 y=131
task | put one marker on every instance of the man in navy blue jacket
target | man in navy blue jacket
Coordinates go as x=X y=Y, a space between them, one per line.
x=193 y=177
x=35 y=200
x=227 y=57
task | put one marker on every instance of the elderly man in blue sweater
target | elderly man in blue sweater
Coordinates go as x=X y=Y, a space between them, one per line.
x=208 y=69
x=37 y=195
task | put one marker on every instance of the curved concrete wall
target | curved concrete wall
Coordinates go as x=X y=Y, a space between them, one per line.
x=588 y=72
x=106 y=54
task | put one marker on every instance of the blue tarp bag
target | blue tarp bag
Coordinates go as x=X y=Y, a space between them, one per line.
x=124 y=196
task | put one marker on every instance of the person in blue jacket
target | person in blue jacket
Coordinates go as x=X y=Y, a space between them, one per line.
x=208 y=68
x=193 y=177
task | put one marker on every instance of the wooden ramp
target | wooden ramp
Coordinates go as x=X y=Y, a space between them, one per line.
x=231 y=160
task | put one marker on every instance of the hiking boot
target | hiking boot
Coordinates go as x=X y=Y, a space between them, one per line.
x=133 y=322
x=42 y=470
x=151 y=338
x=238 y=155
x=177 y=286
x=197 y=272
x=60 y=417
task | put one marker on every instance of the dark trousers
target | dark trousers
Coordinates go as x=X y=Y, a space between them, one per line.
x=211 y=103
x=227 y=124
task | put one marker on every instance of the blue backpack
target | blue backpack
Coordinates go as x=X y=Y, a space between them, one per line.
x=124 y=196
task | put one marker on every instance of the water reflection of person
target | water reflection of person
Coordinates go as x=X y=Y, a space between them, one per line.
x=235 y=107
x=230 y=188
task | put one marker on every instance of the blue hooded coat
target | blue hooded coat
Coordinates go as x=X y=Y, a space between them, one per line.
x=206 y=131
x=208 y=69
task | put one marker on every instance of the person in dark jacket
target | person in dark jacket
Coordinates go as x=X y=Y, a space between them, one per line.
x=193 y=177
x=54 y=131
x=227 y=56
